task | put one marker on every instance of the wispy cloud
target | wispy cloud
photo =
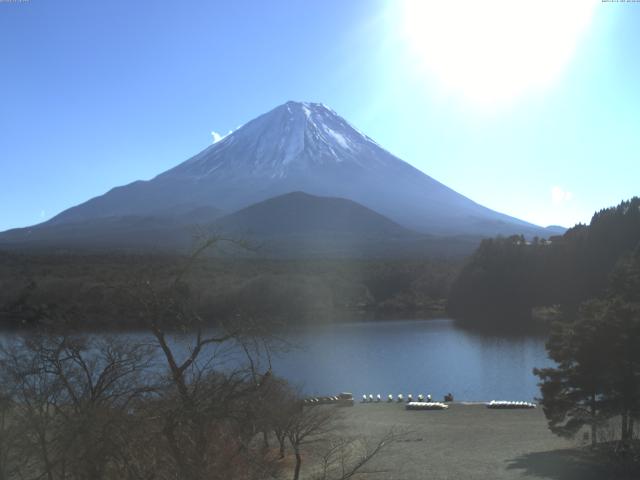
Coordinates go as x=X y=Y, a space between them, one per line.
x=560 y=195
x=216 y=136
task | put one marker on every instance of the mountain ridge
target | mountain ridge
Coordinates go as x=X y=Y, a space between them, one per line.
x=304 y=147
x=293 y=225
x=296 y=147
x=300 y=212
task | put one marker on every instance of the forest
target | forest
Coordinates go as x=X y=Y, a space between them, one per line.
x=507 y=283
x=94 y=289
x=510 y=282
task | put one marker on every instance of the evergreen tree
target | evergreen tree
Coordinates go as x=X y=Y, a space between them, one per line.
x=623 y=322
x=598 y=360
x=573 y=392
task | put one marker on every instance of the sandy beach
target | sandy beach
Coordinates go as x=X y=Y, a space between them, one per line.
x=470 y=441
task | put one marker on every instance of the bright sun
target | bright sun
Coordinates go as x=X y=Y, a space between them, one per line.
x=491 y=51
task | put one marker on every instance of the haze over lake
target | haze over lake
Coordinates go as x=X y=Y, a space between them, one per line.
x=417 y=356
x=396 y=356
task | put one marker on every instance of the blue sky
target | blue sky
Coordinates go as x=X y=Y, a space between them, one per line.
x=99 y=94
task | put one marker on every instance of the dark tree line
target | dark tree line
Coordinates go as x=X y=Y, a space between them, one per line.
x=34 y=287
x=596 y=382
x=506 y=278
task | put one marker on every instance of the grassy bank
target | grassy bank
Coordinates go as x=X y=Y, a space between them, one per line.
x=471 y=442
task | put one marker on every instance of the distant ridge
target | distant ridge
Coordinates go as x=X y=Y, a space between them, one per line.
x=297 y=224
x=301 y=213
x=136 y=233
x=296 y=147
x=294 y=225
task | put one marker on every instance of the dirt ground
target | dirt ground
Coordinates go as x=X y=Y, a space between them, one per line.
x=470 y=442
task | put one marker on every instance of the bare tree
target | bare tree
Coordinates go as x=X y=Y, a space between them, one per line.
x=73 y=396
x=315 y=431
x=8 y=454
x=207 y=413
x=345 y=458
x=306 y=426
x=36 y=393
x=188 y=400
x=279 y=403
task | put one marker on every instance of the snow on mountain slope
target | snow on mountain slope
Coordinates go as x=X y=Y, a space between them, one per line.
x=291 y=138
x=303 y=147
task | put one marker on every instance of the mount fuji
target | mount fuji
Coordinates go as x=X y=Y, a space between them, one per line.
x=296 y=147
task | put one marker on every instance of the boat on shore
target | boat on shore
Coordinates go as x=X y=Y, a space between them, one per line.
x=427 y=406
x=506 y=404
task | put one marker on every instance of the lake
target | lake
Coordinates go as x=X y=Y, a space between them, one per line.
x=418 y=356
x=382 y=357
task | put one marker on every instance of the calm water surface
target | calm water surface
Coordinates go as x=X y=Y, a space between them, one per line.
x=417 y=356
x=428 y=356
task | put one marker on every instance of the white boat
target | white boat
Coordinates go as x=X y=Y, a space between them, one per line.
x=426 y=406
x=506 y=404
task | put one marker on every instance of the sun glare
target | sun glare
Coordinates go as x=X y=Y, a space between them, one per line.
x=492 y=51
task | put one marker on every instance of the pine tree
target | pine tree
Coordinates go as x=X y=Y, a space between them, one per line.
x=573 y=392
x=623 y=322
x=598 y=360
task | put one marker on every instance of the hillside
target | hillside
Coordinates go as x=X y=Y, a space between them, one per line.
x=506 y=278
x=127 y=233
x=296 y=147
x=301 y=213
x=294 y=225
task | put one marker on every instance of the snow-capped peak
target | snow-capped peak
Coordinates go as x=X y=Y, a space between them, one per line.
x=292 y=136
x=307 y=147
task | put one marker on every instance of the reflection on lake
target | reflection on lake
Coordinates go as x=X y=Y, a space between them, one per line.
x=429 y=356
